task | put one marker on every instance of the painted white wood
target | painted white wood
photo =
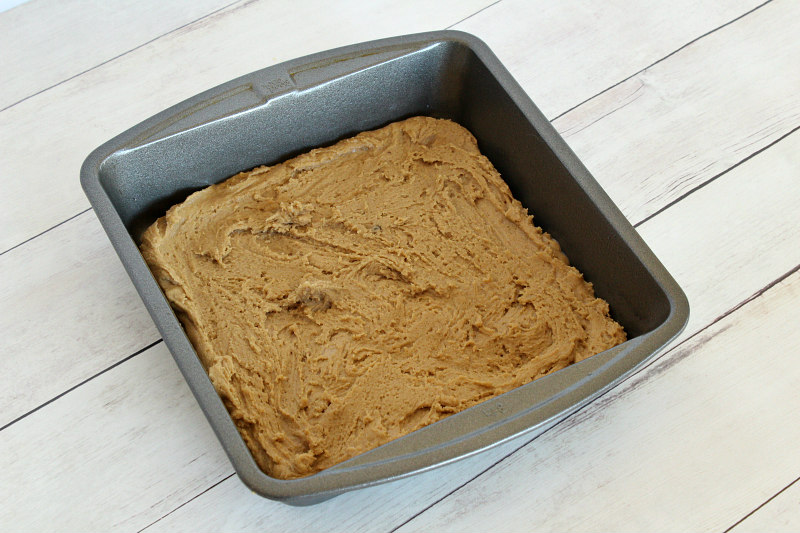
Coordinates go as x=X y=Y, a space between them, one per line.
x=92 y=448
x=111 y=98
x=69 y=311
x=45 y=139
x=713 y=209
x=730 y=238
x=710 y=220
x=696 y=441
x=374 y=509
x=687 y=446
x=701 y=111
x=99 y=457
x=104 y=329
x=781 y=514
x=565 y=52
x=44 y=42
x=699 y=239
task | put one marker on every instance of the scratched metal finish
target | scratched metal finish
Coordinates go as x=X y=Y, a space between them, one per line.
x=281 y=111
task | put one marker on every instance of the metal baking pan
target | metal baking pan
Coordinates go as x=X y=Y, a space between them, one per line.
x=281 y=111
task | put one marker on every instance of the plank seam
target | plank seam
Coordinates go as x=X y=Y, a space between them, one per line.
x=735 y=308
x=481 y=10
x=635 y=95
x=448 y=27
x=660 y=357
x=90 y=378
x=714 y=178
x=119 y=55
x=744 y=302
x=651 y=65
x=45 y=231
x=748 y=515
x=187 y=501
x=671 y=350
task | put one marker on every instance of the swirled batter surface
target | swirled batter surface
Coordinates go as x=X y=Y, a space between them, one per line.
x=358 y=292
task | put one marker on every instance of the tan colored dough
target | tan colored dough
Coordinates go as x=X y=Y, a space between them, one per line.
x=355 y=293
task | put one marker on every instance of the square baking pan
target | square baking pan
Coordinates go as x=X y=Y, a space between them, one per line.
x=278 y=112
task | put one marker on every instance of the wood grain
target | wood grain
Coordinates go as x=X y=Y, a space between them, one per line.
x=45 y=44
x=375 y=509
x=779 y=514
x=99 y=452
x=104 y=339
x=670 y=128
x=721 y=222
x=111 y=98
x=699 y=439
x=732 y=237
x=46 y=138
x=563 y=53
x=698 y=239
x=69 y=311
x=686 y=445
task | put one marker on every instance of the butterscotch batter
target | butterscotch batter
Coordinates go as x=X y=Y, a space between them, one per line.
x=358 y=292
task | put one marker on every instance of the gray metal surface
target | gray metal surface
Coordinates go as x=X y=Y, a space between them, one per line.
x=274 y=113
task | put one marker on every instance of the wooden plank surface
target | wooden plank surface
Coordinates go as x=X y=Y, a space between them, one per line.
x=672 y=236
x=657 y=455
x=695 y=114
x=734 y=236
x=120 y=340
x=700 y=222
x=115 y=96
x=779 y=514
x=62 y=43
x=83 y=112
x=690 y=124
x=71 y=312
x=563 y=53
x=100 y=455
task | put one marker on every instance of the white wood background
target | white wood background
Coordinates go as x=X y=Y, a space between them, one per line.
x=687 y=112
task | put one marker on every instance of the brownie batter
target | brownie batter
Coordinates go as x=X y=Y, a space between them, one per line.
x=356 y=293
